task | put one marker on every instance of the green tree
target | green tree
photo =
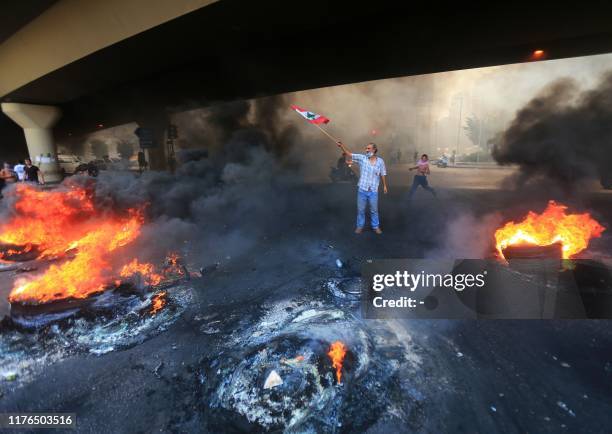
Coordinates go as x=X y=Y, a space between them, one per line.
x=475 y=130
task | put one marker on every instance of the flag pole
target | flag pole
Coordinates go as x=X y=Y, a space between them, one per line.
x=326 y=133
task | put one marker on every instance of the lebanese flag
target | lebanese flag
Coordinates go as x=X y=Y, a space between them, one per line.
x=311 y=117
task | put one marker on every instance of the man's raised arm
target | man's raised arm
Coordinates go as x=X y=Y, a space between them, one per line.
x=342 y=146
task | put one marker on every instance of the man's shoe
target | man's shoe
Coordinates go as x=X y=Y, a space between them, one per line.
x=378 y=231
x=358 y=230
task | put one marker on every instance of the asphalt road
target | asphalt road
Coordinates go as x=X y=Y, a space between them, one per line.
x=472 y=376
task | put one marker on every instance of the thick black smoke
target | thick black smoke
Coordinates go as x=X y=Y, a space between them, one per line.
x=226 y=130
x=564 y=134
x=220 y=205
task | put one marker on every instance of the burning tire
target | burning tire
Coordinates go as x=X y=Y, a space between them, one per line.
x=305 y=376
x=35 y=336
x=544 y=233
x=305 y=368
x=15 y=253
x=532 y=251
x=110 y=302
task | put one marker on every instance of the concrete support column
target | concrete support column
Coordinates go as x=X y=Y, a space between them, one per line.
x=37 y=122
x=156 y=121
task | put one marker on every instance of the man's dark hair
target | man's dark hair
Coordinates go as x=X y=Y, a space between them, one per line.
x=21 y=162
x=425 y=155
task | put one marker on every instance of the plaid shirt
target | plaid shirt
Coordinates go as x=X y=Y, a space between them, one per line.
x=370 y=174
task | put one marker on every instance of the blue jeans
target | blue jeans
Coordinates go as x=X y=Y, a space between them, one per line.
x=363 y=197
x=422 y=181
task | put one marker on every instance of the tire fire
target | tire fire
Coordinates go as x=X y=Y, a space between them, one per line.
x=336 y=353
x=158 y=302
x=147 y=271
x=573 y=231
x=64 y=222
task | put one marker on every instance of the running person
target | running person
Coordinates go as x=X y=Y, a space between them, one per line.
x=420 y=178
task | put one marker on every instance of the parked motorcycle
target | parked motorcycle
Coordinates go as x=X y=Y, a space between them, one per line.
x=343 y=173
x=87 y=169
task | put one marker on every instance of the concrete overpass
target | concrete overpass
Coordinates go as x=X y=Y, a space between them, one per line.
x=116 y=61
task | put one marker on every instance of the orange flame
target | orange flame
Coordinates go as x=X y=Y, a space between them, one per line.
x=173 y=264
x=146 y=271
x=573 y=231
x=42 y=218
x=87 y=273
x=65 y=219
x=336 y=353
x=158 y=302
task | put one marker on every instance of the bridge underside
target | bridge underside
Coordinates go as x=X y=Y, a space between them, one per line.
x=234 y=49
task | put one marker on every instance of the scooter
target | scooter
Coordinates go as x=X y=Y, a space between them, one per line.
x=442 y=162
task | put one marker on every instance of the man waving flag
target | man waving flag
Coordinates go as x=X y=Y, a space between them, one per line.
x=372 y=170
x=311 y=117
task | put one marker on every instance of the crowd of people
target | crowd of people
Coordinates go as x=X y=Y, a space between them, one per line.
x=23 y=171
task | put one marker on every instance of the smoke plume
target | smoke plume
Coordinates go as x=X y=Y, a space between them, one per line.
x=563 y=134
x=466 y=235
x=216 y=206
